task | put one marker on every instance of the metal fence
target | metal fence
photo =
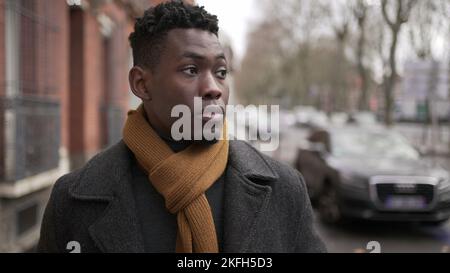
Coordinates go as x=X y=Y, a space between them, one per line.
x=29 y=106
x=33 y=125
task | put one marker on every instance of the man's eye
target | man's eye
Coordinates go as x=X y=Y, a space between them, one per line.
x=222 y=73
x=190 y=71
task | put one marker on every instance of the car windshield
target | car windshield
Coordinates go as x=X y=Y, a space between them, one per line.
x=371 y=144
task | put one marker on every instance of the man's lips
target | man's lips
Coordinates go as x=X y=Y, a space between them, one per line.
x=212 y=116
x=214 y=112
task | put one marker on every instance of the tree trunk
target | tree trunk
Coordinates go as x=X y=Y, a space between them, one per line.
x=388 y=120
x=363 y=99
x=389 y=87
x=361 y=14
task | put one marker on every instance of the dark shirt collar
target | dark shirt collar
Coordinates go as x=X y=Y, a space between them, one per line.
x=175 y=146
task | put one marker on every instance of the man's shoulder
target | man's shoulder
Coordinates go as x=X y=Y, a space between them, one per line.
x=103 y=164
x=287 y=178
x=290 y=179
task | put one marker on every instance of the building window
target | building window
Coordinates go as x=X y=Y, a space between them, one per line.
x=30 y=107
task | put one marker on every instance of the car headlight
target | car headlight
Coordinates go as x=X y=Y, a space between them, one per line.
x=444 y=184
x=444 y=189
x=443 y=178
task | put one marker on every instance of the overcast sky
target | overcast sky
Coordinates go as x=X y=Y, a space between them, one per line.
x=234 y=16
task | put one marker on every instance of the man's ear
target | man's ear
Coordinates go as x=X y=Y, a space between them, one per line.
x=138 y=78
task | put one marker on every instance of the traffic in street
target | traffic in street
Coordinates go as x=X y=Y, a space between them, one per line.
x=401 y=229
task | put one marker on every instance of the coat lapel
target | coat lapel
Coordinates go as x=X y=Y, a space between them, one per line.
x=247 y=196
x=117 y=228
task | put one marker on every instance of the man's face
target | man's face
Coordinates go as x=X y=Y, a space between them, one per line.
x=192 y=64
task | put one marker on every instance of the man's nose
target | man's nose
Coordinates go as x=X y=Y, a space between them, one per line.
x=209 y=89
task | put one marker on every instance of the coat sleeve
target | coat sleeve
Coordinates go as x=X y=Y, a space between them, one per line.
x=308 y=240
x=47 y=241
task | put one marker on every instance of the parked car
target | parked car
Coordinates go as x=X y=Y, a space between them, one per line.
x=372 y=174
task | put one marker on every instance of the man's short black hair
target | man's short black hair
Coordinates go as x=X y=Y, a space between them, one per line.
x=150 y=30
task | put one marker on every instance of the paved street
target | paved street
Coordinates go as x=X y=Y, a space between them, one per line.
x=393 y=237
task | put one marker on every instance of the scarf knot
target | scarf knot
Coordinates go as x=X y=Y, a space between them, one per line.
x=181 y=178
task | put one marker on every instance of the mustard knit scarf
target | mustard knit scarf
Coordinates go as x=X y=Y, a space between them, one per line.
x=182 y=178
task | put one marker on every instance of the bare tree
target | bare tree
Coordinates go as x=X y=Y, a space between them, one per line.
x=298 y=54
x=298 y=20
x=430 y=20
x=338 y=15
x=360 y=11
x=287 y=32
x=402 y=10
x=257 y=77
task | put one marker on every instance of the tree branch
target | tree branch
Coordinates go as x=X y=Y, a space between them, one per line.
x=385 y=15
x=405 y=11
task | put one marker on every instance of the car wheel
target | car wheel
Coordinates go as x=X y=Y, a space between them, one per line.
x=328 y=207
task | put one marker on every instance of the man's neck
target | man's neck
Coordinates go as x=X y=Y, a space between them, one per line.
x=177 y=145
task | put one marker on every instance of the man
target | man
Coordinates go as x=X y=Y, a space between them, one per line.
x=150 y=193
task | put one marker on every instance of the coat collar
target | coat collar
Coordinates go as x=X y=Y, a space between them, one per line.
x=247 y=194
x=107 y=177
x=250 y=163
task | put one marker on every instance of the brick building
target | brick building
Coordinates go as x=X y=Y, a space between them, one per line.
x=63 y=97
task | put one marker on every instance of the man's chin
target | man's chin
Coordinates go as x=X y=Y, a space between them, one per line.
x=211 y=139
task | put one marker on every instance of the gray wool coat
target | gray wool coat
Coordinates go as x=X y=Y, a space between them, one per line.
x=266 y=206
